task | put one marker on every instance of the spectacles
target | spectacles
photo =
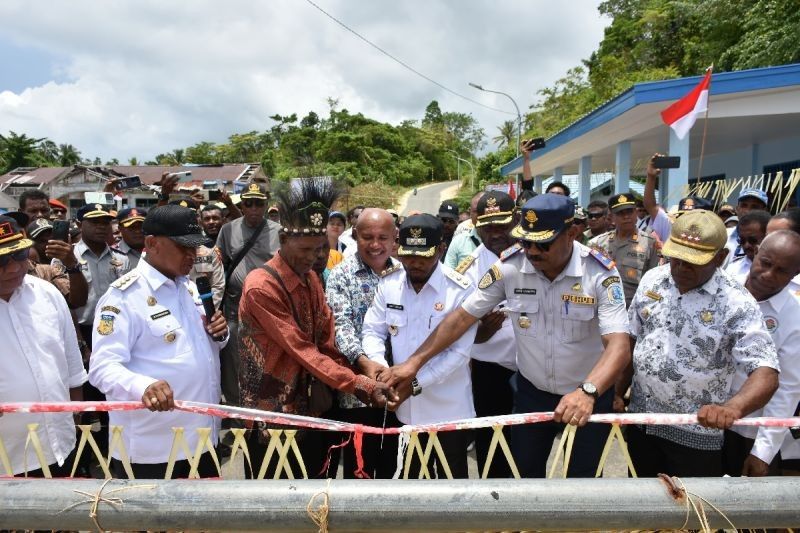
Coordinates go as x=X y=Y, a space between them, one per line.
x=749 y=240
x=543 y=246
x=19 y=255
x=595 y=215
x=254 y=203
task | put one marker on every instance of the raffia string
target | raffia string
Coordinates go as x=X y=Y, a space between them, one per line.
x=320 y=515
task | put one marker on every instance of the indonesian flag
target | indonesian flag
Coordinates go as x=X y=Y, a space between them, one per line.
x=682 y=115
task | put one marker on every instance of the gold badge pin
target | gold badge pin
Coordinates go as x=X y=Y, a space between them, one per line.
x=392 y=330
x=707 y=317
x=170 y=337
x=577 y=287
x=524 y=322
x=151 y=301
x=438 y=306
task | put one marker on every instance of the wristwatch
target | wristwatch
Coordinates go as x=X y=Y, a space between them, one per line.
x=73 y=269
x=416 y=390
x=588 y=388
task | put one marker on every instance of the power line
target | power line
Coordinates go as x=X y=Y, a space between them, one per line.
x=403 y=63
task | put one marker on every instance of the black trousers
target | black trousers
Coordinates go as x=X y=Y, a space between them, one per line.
x=653 y=455
x=735 y=449
x=492 y=395
x=55 y=471
x=531 y=443
x=454 y=444
x=379 y=463
x=92 y=394
x=205 y=468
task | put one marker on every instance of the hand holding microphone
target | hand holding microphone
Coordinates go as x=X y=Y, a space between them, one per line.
x=216 y=325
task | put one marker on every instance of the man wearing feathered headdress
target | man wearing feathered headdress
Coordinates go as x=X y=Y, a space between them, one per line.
x=287 y=339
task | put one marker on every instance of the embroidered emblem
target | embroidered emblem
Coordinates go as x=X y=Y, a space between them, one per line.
x=253 y=187
x=615 y=294
x=106 y=325
x=653 y=295
x=510 y=251
x=110 y=308
x=580 y=300
x=609 y=280
x=490 y=277
x=622 y=199
x=530 y=217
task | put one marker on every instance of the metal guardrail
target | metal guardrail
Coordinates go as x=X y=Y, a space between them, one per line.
x=386 y=505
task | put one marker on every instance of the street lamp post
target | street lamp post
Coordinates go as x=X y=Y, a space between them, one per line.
x=519 y=115
x=472 y=168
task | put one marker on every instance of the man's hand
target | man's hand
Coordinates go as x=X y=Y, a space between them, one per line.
x=402 y=373
x=489 y=325
x=217 y=326
x=619 y=404
x=158 y=397
x=370 y=368
x=653 y=172
x=62 y=251
x=718 y=416
x=383 y=394
x=225 y=198
x=574 y=408
x=754 y=467
x=168 y=182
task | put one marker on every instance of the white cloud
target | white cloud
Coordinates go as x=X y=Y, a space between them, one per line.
x=139 y=78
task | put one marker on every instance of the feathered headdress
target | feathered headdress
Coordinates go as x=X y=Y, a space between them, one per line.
x=304 y=205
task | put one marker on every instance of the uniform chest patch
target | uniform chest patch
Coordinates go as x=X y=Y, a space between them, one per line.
x=106 y=325
x=525 y=291
x=490 y=277
x=771 y=323
x=579 y=299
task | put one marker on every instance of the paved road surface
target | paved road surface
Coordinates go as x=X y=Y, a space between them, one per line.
x=429 y=197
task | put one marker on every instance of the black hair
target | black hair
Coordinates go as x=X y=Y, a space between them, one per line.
x=211 y=207
x=295 y=199
x=558 y=184
x=524 y=196
x=792 y=215
x=353 y=210
x=758 y=216
x=598 y=203
x=32 y=194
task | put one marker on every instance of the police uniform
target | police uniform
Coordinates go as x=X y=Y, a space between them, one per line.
x=558 y=327
x=127 y=217
x=494 y=361
x=442 y=389
x=633 y=256
x=208 y=262
x=150 y=327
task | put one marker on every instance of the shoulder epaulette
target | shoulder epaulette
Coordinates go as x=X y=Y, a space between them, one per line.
x=126 y=281
x=391 y=270
x=117 y=250
x=602 y=258
x=465 y=263
x=460 y=280
x=510 y=251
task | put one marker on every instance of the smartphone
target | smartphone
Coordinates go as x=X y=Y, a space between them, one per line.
x=667 y=161
x=61 y=230
x=534 y=144
x=183 y=176
x=214 y=195
x=104 y=198
x=128 y=182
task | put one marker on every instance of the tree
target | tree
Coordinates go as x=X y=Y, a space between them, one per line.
x=508 y=133
x=68 y=155
x=20 y=151
x=133 y=161
x=433 y=115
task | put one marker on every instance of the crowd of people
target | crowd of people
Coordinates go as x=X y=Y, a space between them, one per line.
x=533 y=304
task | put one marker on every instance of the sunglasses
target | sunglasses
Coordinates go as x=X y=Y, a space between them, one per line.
x=749 y=240
x=595 y=215
x=254 y=203
x=19 y=255
x=545 y=247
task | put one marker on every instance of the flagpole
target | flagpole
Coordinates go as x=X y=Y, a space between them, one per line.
x=705 y=129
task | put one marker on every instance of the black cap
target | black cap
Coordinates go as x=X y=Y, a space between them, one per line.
x=37 y=227
x=11 y=237
x=693 y=202
x=184 y=201
x=448 y=209
x=255 y=190
x=129 y=215
x=21 y=218
x=420 y=235
x=176 y=222
x=621 y=202
x=93 y=211
x=544 y=217
x=495 y=207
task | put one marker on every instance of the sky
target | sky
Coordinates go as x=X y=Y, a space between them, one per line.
x=137 y=78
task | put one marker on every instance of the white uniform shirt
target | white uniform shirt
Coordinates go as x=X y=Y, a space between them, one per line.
x=346 y=239
x=40 y=362
x=794 y=287
x=501 y=347
x=149 y=328
x=406 y=317
x=782 y=320
x=99 y=272
x=739 y=268
x=567 y=316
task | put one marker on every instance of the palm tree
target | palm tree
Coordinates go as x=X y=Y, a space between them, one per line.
x=68 y=155
x=508 y=131
x=20 y=150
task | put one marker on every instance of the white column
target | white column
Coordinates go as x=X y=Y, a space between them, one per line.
x=678 y=178
x=585 y=188
x=537 y=183
x=558 y=172
x=623 y=164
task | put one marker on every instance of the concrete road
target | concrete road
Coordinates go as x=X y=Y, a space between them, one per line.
x=428 y=197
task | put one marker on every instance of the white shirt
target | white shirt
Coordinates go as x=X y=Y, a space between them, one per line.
x=40 y=362
x=501 y=347
x=739 y=268
x=662 y=225
x=346 y=239
x=149 y=328
x=406 y=317
x=794 y=287
x=566 y=317
x=782 y=320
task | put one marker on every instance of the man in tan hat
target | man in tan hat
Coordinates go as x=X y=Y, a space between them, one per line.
x=694 y=326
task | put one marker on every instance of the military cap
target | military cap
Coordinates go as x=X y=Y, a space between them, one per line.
x=420 y=235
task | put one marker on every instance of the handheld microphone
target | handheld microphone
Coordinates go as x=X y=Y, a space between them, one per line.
x=204 y=291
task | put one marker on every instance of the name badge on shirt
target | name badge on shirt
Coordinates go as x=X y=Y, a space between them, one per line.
x=524 y=291
x=576 y=299
x=160 y=314
x=396 y=307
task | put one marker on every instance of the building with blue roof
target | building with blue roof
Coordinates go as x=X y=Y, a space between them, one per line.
x=752 y=129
